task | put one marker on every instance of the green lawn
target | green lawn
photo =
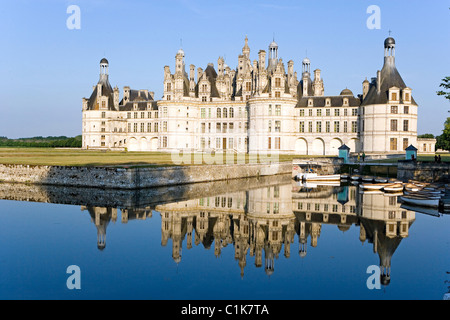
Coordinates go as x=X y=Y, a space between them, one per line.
x=78 y=157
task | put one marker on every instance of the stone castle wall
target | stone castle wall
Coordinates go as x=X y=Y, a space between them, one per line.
x=136 y=177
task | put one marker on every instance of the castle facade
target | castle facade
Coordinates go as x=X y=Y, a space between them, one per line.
x=258 y=107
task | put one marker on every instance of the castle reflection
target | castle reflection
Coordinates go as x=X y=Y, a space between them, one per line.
x=263 y=222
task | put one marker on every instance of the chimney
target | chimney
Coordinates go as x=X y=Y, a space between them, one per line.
x=378 y=81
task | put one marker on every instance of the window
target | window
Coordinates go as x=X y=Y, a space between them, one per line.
x=149 y=115
x=393 y=144
x=169 y=97
x=218 y=127
x=328 y=112
x=219 y=113
x=142 y=127
x=405 y=143
x=269 y=143
x=128 y=115
x=203 y=113
x=135 y=115
x=224 y=127
x=225 y=113
x=310 y=112
x=203 y=127
x=231 y=127
x=405 y=125
x=169 y=87
x=202 y=143
x=319 y=112
x=393 y=125
x=270 y=125
x=204 y=88
x=407 y=97
x=103 y=114
x=394 y=96
x=248 y=86
x=165 y=112
x=319 y=126
x=336 y=112
x=277 y=82
x=135 y=127
x=149 y=127
x=336 y=126
x=354 y=112
x=156 y=127
x=277 y=126
x=345 y=127
x=278 y=110
x=345 y=112
x=406 y=109
x=302 y=112
x=277 y=94
x=164 y=126
x=301 y=126
x=129 y=127
x=164 y=142
x=231 y=112
x=310 y=126
x=394 y=109
x=327 y=126
x=277 y=143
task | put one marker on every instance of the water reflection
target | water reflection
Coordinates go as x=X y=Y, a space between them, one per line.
x=260 y=218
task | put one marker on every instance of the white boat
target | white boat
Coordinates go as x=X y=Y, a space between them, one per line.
x=367 y=178
x=394 y=187
x=373 y=186
x=355 y=177
x=421 y=201
x=344 y=176
x=381 y=180
x=316 y=177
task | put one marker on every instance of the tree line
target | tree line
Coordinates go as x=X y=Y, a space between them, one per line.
x=42 y=142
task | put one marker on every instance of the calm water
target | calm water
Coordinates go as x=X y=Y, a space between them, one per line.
x=250 y=239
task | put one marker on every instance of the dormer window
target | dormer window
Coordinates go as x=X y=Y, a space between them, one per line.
x=328 y=102
x=135 y=106
x=345 y=102
x=310 y=102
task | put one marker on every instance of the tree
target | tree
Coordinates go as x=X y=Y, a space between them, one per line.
x=443 y=141
x=426 y=136
x=445 y=84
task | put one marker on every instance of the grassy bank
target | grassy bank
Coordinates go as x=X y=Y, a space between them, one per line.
x=78 y=157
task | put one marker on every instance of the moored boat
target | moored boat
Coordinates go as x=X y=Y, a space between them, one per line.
x=421 y=201
x=394 y=187
x=373 y=186
x=367 y=178
x=381 y=180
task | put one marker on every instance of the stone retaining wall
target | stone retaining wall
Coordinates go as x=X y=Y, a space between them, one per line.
x=423 y=171
x=137 y=177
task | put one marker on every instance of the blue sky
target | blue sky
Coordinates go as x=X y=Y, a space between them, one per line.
x=47 y=68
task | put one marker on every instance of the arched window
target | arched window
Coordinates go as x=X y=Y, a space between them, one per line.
x=231 y=112
x=225 y=113
x=219 y=113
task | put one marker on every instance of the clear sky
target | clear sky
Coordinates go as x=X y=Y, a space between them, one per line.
x=46 y=68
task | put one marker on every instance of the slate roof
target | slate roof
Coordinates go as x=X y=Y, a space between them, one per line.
x=390 y=77
x=106 y=91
